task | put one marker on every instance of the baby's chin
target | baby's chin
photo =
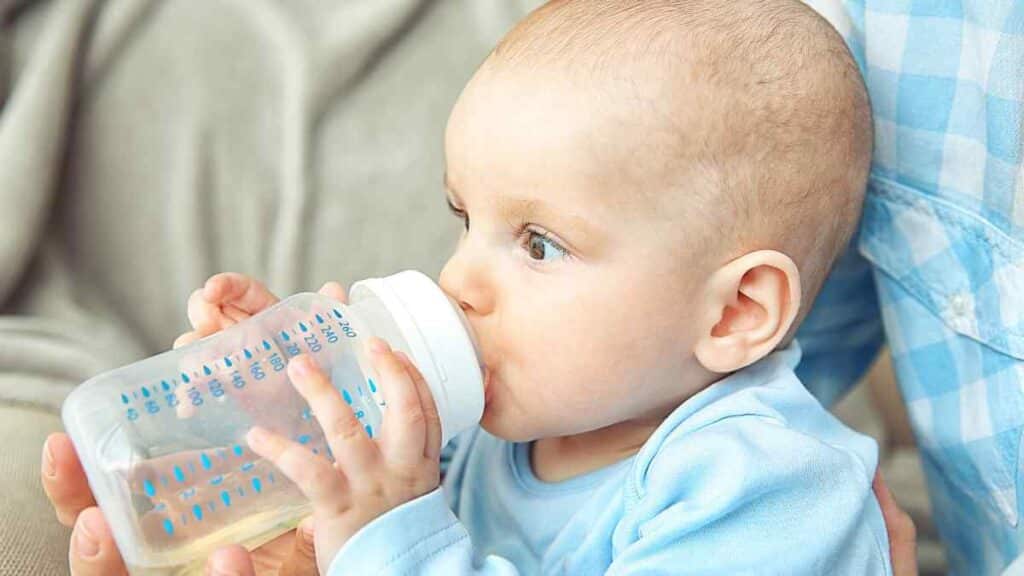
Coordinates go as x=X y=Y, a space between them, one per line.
x=506 y=426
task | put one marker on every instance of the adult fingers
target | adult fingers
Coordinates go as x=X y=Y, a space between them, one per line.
x=64 y=479
x=899 y=525
x=230 y=561
x=92 y=551
x=302 y=561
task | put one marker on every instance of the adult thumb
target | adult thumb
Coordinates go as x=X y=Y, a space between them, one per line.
x=302 y=561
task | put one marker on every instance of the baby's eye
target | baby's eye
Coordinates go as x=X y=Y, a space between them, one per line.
x=542 y=248
x=459 y=213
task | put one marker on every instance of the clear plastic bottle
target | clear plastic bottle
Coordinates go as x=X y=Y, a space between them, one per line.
x=162 y=440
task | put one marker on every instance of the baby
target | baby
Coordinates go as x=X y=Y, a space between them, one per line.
x=653 y=192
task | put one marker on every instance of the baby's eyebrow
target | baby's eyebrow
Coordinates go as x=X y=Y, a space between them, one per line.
x=571 y=227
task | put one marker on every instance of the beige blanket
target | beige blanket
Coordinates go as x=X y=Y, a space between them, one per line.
x=146 y=144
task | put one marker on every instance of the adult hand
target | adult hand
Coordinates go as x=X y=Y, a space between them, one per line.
x=899 y=525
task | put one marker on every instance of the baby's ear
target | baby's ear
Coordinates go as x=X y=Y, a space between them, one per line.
x=749 y=306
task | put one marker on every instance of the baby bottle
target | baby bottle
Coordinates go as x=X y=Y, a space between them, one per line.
x=162 y=440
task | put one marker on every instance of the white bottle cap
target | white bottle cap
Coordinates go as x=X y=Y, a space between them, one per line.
x=440 y=341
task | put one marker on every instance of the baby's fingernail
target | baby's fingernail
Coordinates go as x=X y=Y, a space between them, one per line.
x=49 y=466
x=87 y=544
x=301 y=365
x=257 y=436
x=378 y=346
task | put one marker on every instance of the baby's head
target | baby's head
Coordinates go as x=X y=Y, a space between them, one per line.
x=653 y=192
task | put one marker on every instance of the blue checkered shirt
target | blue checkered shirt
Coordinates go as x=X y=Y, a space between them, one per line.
x=937 y=269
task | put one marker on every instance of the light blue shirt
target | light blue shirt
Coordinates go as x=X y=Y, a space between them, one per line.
x=937 y=272
x=751 y=475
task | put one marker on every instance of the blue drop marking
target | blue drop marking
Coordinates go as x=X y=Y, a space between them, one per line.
x=336 y=313
x=373 y=385
x=225 y=497
x=187 y=494
x=319 y=319
x=197 y=511
x=160 y=507
x=168 y=526
x=217 y=479
x=135 y=393
x=165 y=385
x=306 y=414
x=304 y=439
x=257 y=485
x=303 y=327
x=145 y=392
x=206 y=370
x=185 y=378
x=247 y=466
x=205 y=461
x=346 y=396
x=248 y=355
x=360 y=390
x=148 y=487
x=285 y=336
x=238 y=450
x=266 y=345
x=271 y=478
x=178 y=474
x=227 y=362
x=124 y=398
x=369 y=431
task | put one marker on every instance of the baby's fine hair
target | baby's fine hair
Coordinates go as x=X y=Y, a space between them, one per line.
x=775 y=148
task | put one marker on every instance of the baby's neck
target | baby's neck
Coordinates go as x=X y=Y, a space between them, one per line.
x=563 y=457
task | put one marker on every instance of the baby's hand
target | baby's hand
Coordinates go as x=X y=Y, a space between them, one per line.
x=369 y=476
x=228 y=298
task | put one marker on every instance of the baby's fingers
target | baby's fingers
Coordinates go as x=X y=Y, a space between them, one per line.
x=334 y=290
x=317 y=478
x=405 y=433
x=245 y=294
x=350 y=443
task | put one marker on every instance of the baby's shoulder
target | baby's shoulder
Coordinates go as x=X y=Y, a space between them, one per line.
x=758 y=440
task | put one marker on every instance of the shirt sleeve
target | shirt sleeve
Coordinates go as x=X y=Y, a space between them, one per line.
x=842 y=334
x=422 y=536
